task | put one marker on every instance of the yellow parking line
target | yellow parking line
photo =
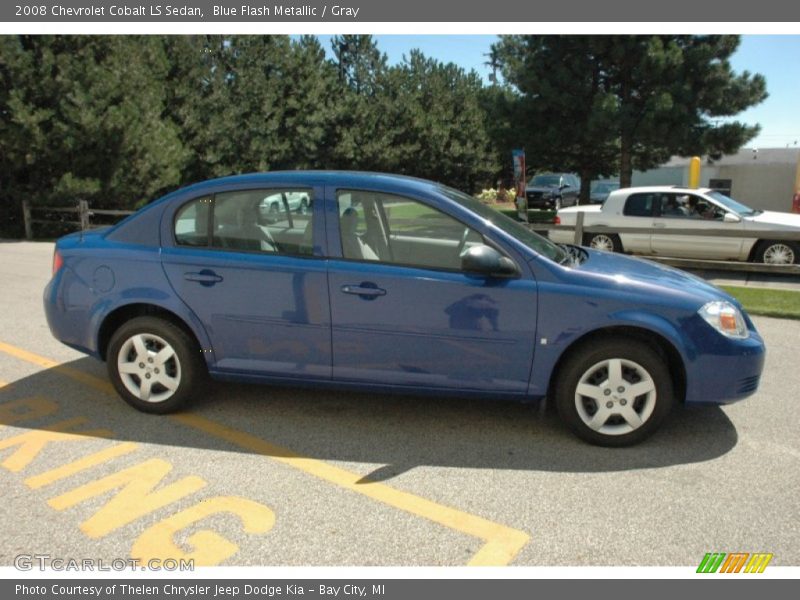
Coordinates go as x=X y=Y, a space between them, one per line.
x=83 y=377
x=501 y=545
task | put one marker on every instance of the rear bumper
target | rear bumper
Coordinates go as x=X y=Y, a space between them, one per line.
x=66 y=324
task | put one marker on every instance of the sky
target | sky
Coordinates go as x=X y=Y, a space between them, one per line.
x=777 y=57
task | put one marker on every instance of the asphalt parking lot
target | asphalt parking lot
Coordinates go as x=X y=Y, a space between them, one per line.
x=253 y=475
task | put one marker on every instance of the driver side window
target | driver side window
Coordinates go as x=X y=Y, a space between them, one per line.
x=398 y=230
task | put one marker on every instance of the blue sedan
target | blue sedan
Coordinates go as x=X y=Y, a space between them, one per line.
x=389 y=283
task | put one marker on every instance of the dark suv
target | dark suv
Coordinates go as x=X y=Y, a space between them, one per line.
x=553 y=190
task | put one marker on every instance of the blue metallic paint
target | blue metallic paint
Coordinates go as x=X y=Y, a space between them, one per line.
x=434 y=331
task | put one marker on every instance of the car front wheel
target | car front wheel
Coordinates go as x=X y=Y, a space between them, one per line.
x=614 y=393
x=154 y=365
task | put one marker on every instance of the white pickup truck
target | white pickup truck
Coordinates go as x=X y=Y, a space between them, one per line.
x=662 y=208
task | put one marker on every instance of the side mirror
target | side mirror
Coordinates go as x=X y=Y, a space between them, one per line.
x=486 y=261
x=731 y=218
x=565 y=185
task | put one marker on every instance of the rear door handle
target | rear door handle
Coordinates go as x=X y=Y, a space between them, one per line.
x=363 y=290
x=206 y=277
x=659 y=225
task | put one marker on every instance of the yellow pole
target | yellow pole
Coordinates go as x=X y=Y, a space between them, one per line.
x=694 y=172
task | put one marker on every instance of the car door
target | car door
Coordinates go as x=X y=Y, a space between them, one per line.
x=403 y=313
x=637 y=211
x=247 y=265
x=679 y=210
x=572 y=193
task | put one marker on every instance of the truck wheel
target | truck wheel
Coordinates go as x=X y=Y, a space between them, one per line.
x=778 y=253
x=603 y=241
x=614 y=393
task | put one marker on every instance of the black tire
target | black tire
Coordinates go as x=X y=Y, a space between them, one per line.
x=187 y=362
x=603 y=241
x=791 y=250
x=636 y=358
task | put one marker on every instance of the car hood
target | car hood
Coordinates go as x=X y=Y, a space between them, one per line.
x=772 y=218
x=633 y=274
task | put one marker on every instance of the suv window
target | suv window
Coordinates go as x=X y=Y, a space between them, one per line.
x=639 y=205
x=398 y=230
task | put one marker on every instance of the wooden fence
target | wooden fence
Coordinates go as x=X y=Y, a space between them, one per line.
x=83 y=215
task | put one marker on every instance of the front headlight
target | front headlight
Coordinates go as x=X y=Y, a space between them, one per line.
x=725 y=318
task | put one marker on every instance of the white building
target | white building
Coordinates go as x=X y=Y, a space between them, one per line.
x=765 y=178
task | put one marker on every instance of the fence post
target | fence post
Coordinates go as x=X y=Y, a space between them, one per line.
x=26 y=217
x=83 y=211
x=578 y=237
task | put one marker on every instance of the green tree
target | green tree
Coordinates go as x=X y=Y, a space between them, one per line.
x=364 y=124
x=81 y=118
x=563 y=115
x=611 y=104
x=442 y=133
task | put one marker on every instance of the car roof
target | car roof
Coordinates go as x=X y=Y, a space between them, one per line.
x=309 y=177
x=661 y=188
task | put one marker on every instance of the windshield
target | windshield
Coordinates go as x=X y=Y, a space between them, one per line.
x=600 y=188
x=546 y=180
x=531 y=239
x=732 y=204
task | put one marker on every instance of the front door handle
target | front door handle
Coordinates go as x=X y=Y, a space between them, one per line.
x=206 y=277
x=365 y=290
x=659 y=225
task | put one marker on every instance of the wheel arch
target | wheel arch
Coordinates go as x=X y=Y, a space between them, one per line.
x=115 y=318
x=656 y=340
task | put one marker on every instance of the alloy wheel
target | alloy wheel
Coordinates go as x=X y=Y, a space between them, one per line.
x=148 y=367
x=615 y=396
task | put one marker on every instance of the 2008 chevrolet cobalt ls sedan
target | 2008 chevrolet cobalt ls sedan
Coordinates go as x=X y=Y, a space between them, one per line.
x=391 y=283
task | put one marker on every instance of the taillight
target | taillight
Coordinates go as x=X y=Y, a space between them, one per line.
x=58 y=262
x=557 y=220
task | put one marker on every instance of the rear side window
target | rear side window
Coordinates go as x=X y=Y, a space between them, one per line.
x=191 y=222
x=277 y=221
x=639 y=205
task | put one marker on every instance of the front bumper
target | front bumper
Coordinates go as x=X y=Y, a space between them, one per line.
x=539 y=201
x=724 y=370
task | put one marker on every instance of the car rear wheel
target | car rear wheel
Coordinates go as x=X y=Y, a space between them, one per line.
x=614 y=393
x=604 y=241
x=153 y=364
x=778 y=253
